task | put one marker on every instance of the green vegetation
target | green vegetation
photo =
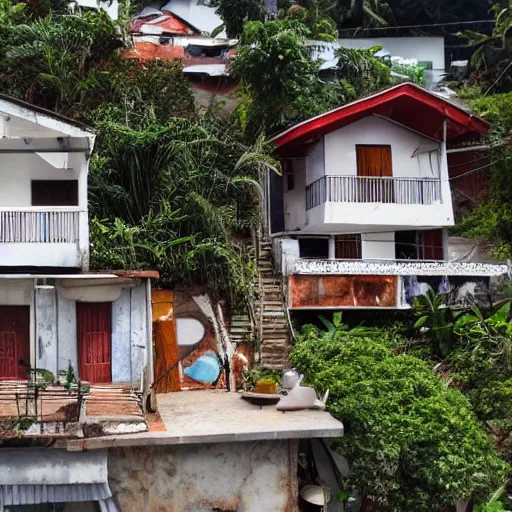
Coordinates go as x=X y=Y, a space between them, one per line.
x=281 y=81
x=413 y=443
x=491 y=220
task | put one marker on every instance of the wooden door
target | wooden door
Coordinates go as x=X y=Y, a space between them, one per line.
x=14 y=342
x=166 y=350
x=94 y=334
x=374 y=162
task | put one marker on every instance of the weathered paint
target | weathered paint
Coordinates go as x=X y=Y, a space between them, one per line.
x=121 y=353
x=67 y=349
x=94 y=327
x=138 y=332
x=46 y=328
x=243 y=477
x=39 y=144
x=342 y=291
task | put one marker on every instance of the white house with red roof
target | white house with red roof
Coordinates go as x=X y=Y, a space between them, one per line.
x=360 y=216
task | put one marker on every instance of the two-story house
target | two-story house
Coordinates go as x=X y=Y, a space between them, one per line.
x=359 y=217
x=86 y=443
x=54 y=313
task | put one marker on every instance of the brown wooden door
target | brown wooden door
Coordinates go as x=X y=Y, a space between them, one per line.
x=374 y=162
x=14 y=342
x=94 y=331
x=166 y=343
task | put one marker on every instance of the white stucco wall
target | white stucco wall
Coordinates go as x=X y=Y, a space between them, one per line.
x=55 y=328
x=378 y=246
x=315 y=163
x=16 y=292
x=295 y=200
x=429 y=49
x=18 y=170
x=245 y=476
x=335 y=218
x=413 y=156
x=409 y=150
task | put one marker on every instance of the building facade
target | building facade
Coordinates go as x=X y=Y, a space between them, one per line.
x=359 y=217
x=79 y=430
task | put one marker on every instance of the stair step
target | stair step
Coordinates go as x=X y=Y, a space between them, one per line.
x=273 y=314
x=275 y=342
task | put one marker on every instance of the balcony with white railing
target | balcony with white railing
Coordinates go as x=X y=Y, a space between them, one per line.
x=43 y=237
x=334 y=202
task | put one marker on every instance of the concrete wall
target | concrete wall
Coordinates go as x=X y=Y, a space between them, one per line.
x=56 y=330
x=430 y=49
x=409 y=150
x=378 y=246
x=242 y=477
x=18 y=170
x=413 y=156
x=295 y=200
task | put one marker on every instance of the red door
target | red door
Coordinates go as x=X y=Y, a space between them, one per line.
x=14 y=342
x=94 y=330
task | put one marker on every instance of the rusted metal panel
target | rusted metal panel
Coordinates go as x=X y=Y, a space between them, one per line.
x=14 y=342
x=94 y=328
x=306 y=291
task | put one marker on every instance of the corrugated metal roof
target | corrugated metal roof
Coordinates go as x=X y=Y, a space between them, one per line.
x=34 y=476
x=51 y=467
x=70 y=493
x=203 y=17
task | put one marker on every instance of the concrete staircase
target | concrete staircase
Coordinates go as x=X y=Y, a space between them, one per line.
x=273 y=328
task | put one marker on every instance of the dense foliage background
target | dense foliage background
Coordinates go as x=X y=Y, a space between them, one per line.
x=171 y=188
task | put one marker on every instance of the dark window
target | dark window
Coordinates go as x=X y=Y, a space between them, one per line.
x=54 y=193
x=287 y=166
x=406 y=245
x=314 y=248
x=432 y=244
x=419 y=245
x=347 y=247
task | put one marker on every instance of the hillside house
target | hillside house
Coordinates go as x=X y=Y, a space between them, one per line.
x=359 y=218
x=54 y=314
x=89 y=442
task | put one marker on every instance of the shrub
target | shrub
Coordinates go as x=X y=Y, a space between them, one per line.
x=412 y=443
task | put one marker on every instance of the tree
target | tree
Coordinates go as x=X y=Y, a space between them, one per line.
x=315 y=14
x=171 y=197
x=413 y=443
x=57 y=62
x=235 y=12
x=281 y=80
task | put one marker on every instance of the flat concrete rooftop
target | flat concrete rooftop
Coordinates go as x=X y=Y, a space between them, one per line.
x=196 y=417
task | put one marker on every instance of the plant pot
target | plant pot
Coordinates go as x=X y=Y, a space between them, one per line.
x=269 y=388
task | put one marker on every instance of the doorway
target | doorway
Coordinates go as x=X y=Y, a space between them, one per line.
x=374 y=162
x=14 y=342
x=94 y=334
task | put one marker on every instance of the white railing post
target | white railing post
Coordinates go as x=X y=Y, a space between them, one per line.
x=369 y=189
x=38 y=226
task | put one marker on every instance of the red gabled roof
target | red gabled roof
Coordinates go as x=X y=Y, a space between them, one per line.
x=407 y=104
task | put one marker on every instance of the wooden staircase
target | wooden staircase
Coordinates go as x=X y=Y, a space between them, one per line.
x=272 y=314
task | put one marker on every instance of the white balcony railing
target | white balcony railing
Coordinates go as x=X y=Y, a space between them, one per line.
x=45 y=225
x=365 y=189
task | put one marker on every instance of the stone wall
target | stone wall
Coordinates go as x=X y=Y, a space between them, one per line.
x=235 y=477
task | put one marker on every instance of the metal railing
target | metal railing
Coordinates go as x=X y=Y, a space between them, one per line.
x=39 y=226
x=366 y=189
